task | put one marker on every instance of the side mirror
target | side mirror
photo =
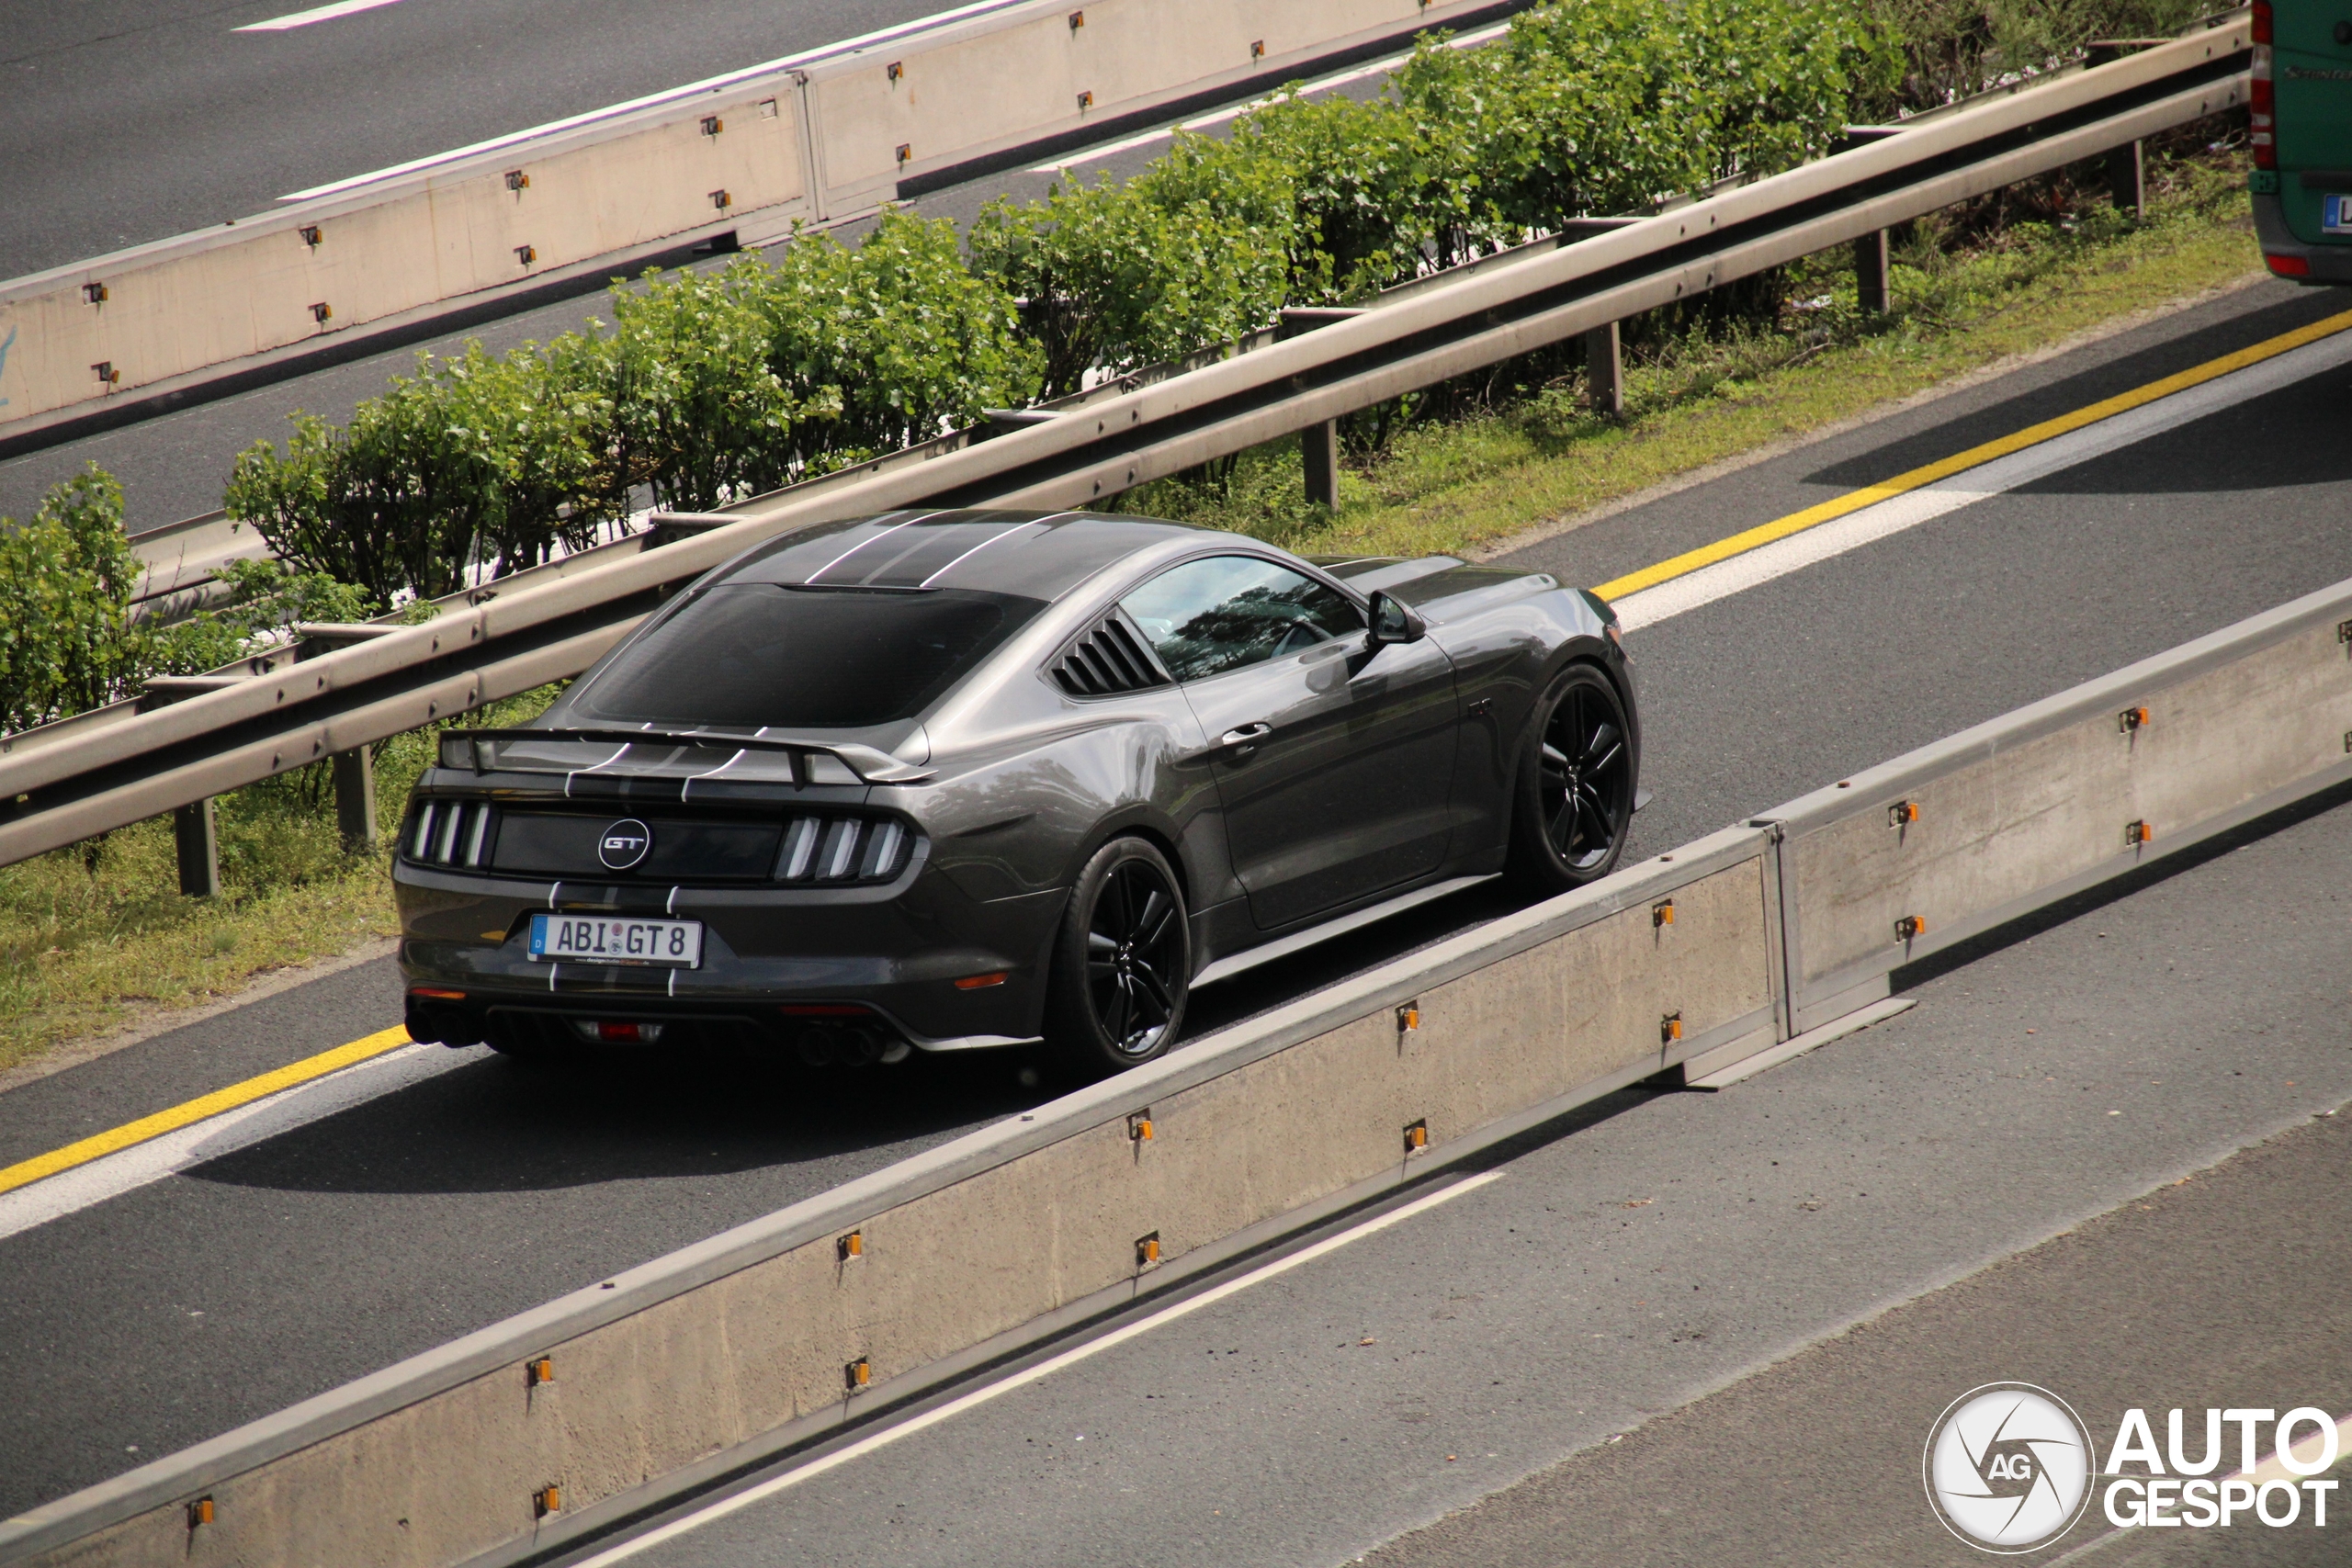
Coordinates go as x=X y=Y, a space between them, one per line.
x=1392 y=621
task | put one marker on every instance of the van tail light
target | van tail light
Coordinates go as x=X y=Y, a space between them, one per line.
x=2262 y=97
x=2289 y=266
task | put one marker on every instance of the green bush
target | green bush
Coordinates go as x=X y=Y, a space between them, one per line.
x=1950 y=49
x=472 y=464
x=697 y=413
x=1115 y=276
x=904 y=339
x=67 y=579
x=68 y=640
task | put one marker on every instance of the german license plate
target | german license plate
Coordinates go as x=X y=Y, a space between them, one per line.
x=2336 y=214
x=613 y=939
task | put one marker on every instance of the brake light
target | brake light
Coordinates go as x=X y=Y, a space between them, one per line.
x=2289 y=266
x=2262 y=95
x=437 y=995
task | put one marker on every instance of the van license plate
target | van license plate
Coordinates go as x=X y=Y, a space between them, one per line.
x=613 y=939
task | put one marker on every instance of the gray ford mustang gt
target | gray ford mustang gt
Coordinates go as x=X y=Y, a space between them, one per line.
x=938 y=781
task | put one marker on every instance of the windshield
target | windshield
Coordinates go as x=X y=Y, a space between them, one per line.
x=758 y=655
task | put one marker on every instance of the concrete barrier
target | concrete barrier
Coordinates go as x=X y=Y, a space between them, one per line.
x=820 y=136
x=163 y=316
x=753 y=1340
x=1939 y=846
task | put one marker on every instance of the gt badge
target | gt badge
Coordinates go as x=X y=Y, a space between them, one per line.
x=623 y=844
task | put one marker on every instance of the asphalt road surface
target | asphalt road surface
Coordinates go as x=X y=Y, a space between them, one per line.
x=123 y=121
x=169 y=1314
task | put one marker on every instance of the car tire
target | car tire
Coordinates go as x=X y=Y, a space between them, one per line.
x=1122 y=962
x=1573 y=800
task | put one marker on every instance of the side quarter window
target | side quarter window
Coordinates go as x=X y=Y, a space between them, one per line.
x=1224 y=612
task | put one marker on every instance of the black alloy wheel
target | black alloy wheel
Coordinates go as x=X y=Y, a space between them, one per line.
x=1576 y=796
x=1122 y=962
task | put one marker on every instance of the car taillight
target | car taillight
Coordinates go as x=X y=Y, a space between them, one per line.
x=2289 y=266
x=2262 y=97
x=841 y=848
x=454 y=833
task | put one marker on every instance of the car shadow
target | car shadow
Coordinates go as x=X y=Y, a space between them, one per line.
x=497 y=1125
x=615 y=1115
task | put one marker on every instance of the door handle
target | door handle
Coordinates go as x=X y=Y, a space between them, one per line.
x=1244 y=740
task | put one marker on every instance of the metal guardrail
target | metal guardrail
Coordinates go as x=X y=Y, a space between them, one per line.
x=120 y=764
x=689 y=1368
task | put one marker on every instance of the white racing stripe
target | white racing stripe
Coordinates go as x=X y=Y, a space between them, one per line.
x=1741 y=572
x=1027 y=1375
x=317 y=13
x=116 y=1174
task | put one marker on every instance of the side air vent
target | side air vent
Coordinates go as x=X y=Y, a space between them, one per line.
x=453 y=833
x=1110 y=658
x=832 y=850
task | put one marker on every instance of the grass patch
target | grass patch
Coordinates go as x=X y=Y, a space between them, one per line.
x=95 y=935
x=1533 y=452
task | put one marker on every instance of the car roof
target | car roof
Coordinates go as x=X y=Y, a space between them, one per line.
x=1037 y=555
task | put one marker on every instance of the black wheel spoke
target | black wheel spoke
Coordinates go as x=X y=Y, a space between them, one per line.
x=1582 y=783
x=1134 y=958
x=1155 y=991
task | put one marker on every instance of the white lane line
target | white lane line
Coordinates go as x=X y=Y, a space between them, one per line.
x=57 y=1196
x=1759 y=566
x=1028 y=1375
x=316 y=14
x=1320 y=84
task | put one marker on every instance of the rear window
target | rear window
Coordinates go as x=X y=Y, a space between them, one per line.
x=757 y=655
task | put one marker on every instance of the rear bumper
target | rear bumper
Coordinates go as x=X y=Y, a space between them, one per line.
x=2320 y=263
x=768 y=954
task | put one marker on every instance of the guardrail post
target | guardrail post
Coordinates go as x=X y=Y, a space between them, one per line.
x=199 y=848
x=1318 y=448
x=1871 y=275
x=354 y=797
x=1604 y=370
x=2127 y=179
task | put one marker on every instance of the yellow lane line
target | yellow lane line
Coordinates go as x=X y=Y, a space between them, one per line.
x=213 y=1104
x=2033 y=435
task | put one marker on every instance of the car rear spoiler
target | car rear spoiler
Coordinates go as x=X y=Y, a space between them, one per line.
x=465 y=749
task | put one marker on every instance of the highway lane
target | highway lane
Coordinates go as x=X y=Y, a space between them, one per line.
x=1602 y=1356
x=333 y=1249
x=123 y=121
